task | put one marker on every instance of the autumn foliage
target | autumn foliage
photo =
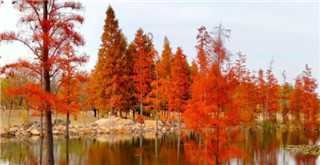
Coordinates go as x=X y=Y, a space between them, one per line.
x=46 y=29
x=143 y=66
x=178 y=91
x=216 y=96
x=303 y=100
x=110 y=78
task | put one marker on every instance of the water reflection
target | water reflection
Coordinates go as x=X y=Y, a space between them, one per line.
x=269 y=148
x=67 y=150
x=151 y=149
x=40 y=153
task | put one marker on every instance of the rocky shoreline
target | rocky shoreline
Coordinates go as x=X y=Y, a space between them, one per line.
x=111 y=125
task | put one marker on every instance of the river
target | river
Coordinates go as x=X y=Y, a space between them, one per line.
x=260 y=148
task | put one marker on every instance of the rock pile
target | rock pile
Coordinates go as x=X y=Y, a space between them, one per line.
x=112 y=125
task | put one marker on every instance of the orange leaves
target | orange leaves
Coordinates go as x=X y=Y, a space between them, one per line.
x=51 y=40
x=50 y=30
x=273 y=95
x=72 y=5
x=45 y=30
x=163 y=116
x=70 y=82
x=179 y=86
x=212 y=109
x=8 y=37
x=140 y=119
x=303 y=100
x=38 y=100
x=143 y=64
x=110 y=85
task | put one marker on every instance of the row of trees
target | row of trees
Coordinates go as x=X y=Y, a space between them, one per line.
x=135 y=77
x=215 y=94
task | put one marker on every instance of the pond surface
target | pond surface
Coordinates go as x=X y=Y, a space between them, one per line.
x=166 y=149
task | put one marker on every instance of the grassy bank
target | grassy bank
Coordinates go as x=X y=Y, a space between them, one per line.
x=17 y=119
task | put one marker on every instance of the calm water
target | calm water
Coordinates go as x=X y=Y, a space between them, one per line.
x=166 y=149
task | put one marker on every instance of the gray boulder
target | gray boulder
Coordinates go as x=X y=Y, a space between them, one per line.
x=94 y=125
x=29 y=123
x=60 y=122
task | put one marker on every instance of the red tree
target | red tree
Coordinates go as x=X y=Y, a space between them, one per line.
x=164 y=70
x=303 y=99
x=211 y=110
x=179 y=85
x=143 y=65
x=296 y=99
x=310 y=105
x=70 y=83
x=109 y=83
x=273 y=96
x=48 y=28
x=244 y=90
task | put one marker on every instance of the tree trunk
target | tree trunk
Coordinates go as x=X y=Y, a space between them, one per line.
x=140 y=160
x=218 y=136
x=9 y=118
x=55 y=120
x=178 y=150
x=133 y=115
x=141 y=130
x=46 y=76
x=156 y=147
x=28 y=113
x=174 y=120
x=49 y=138
x=84 y=119
x=298 y=115
x=178 y=120
x=20 y=105
x=20 y=155
x=67 y=126
x=217 y=152
x=41 y=124
x=141 y=97
x=156 y=125
x=158 y=102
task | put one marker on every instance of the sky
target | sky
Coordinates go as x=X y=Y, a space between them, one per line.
x=287 y=31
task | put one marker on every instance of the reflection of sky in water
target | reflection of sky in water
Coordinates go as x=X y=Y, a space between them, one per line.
x=124 y=149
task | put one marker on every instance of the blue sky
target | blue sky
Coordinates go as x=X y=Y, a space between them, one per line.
x=287 y=31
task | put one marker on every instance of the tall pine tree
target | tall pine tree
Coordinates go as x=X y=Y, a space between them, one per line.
x=164 y=70
x=180 y=83
x=143 y=67
x=110 y=78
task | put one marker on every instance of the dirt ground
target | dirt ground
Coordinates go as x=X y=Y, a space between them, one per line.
x=17 y=118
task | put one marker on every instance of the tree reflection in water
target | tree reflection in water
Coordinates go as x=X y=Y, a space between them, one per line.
x=261 y=148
